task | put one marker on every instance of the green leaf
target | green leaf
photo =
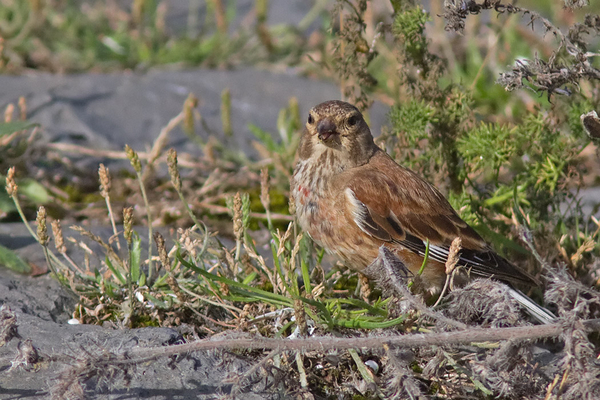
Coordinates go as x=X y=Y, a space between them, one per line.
x=142 y=280
x=247 y=280
x=9 y=259
x=264 y=137
x=360 y=304
x=481 y=387
x=507 y=193
x=358 y=324
x=160 y=281
x=33 y=190
x=158 y=303
x=305 y=275
x=29 y=188
x=412 y=119
x=233 y=284
x=6 y=203
x=6 y=128
x=109 y=289
x=115 y=271
x=134 y=258
x=499 y=240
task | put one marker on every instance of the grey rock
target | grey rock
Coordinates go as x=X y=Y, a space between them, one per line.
x=43 y=307
x=109 y=111
x=191 y=376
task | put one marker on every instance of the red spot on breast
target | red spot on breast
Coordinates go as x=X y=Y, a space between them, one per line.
x=303 y=191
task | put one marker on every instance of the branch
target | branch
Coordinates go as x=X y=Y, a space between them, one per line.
x=323 y=344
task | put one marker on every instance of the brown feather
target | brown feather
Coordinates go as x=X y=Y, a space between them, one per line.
x=427 y=216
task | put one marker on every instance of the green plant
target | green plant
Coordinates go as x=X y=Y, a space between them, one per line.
x=13 y=147
x=66 y=36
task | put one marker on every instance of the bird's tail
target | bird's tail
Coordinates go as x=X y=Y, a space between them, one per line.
x=538 y=312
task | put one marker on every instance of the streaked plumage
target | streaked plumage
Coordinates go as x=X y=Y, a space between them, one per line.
x=351 y=197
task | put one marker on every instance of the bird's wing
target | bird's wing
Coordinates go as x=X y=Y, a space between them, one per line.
x=393 y=204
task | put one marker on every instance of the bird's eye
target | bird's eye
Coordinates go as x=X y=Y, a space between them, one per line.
x=352 y=120
x=310 y=119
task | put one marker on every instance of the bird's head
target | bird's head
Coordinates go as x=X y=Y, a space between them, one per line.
x=337 y=127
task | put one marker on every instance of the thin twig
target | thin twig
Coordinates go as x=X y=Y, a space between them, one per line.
x=323 y=344
x=160 y=142
x=236 y=389
x=120 y=155
x=224 y=210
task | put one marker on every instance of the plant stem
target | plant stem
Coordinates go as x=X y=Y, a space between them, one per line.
x=34 y=235
x=323 y=344
x=147 y=205
x=112 y=221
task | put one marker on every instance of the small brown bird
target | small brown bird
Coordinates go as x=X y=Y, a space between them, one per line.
x=352 y=197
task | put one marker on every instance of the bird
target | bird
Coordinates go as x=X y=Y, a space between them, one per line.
x=351 y=198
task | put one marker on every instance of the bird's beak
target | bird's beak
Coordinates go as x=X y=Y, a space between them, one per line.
x=325 y=128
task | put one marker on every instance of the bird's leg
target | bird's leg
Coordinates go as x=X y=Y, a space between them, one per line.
x=388 y=271
x=392 y=276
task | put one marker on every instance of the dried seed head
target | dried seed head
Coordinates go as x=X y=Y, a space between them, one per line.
x=238 y=225
x=365 y=288
x=42 y=229
x=187 y=242
x=104 y=180
x=265 y=198
x=162 y=251
x=134 y=159
x=11 y=185
x=292 y=205
x=188 y=113
x=209 y=151
x=453 y=255
x=226 y=112
x=8 y=113
x=128 y=223
x=59 y=241
x=230 y=259
x=282 y=239
x=164 y=259
x=295 y=251
x=300 y=315
x=183 y=234
x=224 y=288
x=22 y=108
x=173 y=170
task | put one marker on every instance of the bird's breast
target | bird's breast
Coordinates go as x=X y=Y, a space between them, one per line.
x=308 y=191
x=322 y=214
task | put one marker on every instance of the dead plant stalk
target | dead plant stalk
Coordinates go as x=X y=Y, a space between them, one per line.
x=323 y=344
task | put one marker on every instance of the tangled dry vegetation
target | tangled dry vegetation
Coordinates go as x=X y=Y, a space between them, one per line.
x=509 y=164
